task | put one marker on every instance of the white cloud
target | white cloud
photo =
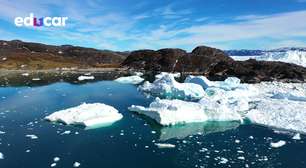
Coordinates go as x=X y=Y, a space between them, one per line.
x=287 y=43
x=201 y=19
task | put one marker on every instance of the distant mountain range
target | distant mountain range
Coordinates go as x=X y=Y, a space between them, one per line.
x=261 y=52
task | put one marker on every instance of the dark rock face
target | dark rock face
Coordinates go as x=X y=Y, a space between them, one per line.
x=161 y=60
x=215 y=63
x=267 y=71
x=87 y=55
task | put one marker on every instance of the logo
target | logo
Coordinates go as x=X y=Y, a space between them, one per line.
x=47 y=21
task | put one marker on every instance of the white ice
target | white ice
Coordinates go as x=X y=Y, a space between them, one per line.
x=130 y=79
x=137 y=74
x=171 y=112
x=296 y=136
x=162 y=74
x=165 y=145
x=296 y=57
x=277 y=144
x=56 y=159
x=86 y=114
x=76 y=164
x=80 y=78
x=1 y=156
x=32 y=136
x=26 y=74
x=167 y=86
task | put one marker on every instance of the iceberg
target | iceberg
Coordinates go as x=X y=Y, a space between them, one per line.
x=167 y=86
x=162 y=74
x=171 y=112
x=88 y=115
x=80 y=78
x=130 y=79
x=1 y=156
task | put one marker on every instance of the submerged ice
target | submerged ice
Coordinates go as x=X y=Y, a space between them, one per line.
x=86 y=115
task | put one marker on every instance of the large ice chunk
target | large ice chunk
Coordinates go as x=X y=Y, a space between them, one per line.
x=167 y=86
x=201 y=80
x=231 y=83
x=281 y=114
x=171 y=112
x=86 y=115
x=162 y=74
x=130 y=79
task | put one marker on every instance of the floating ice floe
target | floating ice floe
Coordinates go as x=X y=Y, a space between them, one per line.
x=167 y=86
x=89 y=115
x=277 y=144
x=76 y=164
x=162 y=74
x=164 y=145
x=26 y=74
x=53 y=164
x=32 y=136
x=56 y=159
x=137 y=74
x=171 y=112
x=130 y=79
x=80 y=78
x=1 y=156
x=296 y=136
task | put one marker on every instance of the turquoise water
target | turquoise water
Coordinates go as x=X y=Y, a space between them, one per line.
x=130 y=141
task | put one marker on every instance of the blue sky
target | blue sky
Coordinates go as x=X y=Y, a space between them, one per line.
x=133 y=24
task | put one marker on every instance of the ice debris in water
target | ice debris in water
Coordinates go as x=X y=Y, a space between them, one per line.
x=80 y=78
x=53 y=164
x=171 y=112
x=32 y=136
x=162 y=74
x=1 y=156
x=137 y=74
x=130 y=79
x=277 y=144
x=296 y=136
x=86 y=115
x=56 y=159
x=164 y=145
x=76 y=164
x=167 y=86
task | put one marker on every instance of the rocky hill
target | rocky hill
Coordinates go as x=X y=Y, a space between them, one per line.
x=213 y=62
x=24 y=55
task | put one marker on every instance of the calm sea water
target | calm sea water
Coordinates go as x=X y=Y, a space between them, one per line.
x=129 y=142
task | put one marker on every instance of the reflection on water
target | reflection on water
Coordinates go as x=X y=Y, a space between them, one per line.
x=182 y=131
x=82 y=126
